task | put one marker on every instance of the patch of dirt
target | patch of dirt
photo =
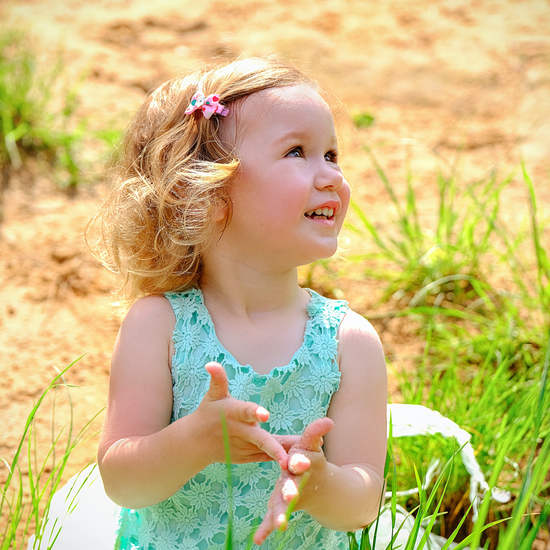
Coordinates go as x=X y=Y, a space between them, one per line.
x=450 y=82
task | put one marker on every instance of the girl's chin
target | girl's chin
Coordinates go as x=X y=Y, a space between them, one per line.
x=321 y=251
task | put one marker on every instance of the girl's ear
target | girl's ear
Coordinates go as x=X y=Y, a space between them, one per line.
x=221 y=211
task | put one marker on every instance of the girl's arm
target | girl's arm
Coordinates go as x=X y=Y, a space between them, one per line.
x=346 y=480
x=143 y=458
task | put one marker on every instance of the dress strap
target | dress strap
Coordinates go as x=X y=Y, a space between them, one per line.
x=325 y=312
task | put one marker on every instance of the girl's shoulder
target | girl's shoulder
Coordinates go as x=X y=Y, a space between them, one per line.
x=355 y=326
x=356 y=336
x=153 y=305
x=149 y=315
x=156 y=307
x=359 y=342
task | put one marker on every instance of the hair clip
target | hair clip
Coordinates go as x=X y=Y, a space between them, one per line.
x=209 y=105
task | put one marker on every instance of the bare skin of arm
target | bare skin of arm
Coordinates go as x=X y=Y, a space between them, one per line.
x=143 y=458
x=346 y=480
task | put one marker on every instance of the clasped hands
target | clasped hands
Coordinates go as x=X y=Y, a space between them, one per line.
x=250 y=443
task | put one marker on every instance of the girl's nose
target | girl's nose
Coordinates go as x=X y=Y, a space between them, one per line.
x=329 y=177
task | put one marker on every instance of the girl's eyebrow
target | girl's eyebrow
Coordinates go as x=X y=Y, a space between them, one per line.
x=298 y=135
x=291 y=136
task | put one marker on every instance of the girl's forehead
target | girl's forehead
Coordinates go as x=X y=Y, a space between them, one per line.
x=275 y=106
x=287 y=97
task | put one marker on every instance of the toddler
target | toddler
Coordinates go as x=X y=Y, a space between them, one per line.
x=228 y=181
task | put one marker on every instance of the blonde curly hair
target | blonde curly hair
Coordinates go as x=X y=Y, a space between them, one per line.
x=172 y=178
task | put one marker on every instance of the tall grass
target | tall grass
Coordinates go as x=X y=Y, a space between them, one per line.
x=42 y=131
x=38 y=113
x=484 y=362
x=34 y=476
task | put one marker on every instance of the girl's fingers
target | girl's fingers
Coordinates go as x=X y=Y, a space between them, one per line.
x=270 y=446
x=250 y=413
x=252 y=457
x=265 y=528
x=219 y=386
x=287 y=441
x=312 y=438
x=310 y=441
x=219 y=389
x=289 y=490
x=298 y=464
x=275 y=518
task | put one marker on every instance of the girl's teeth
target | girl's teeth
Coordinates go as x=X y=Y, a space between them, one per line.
x=326 y=212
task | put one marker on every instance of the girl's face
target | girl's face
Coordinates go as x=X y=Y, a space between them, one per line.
x=289 y=197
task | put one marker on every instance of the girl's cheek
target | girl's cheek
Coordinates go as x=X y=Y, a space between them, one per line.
x=345 y=195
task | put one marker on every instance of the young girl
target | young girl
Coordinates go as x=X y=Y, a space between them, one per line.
x=229 y=181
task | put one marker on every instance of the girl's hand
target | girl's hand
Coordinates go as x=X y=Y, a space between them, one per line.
x=305 y=455
x=247 y=441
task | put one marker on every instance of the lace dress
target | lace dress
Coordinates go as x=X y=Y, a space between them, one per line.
x=196 y=517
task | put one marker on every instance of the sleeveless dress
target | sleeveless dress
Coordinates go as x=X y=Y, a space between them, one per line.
x=196 y=517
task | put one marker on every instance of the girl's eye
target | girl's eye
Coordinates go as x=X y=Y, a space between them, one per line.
x=297 y=152
x=331 y=156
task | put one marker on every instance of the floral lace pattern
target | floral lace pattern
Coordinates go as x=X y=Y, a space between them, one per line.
x=196 y=516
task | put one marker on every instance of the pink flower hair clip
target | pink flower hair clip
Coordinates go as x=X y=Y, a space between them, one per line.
x=208 y=105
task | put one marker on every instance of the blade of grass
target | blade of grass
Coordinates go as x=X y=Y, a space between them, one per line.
x=229 y=536
x=28 y=424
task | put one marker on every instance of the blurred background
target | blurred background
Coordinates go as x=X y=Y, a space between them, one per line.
x=438 y=103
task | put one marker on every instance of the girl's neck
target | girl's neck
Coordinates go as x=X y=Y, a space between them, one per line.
x=245 y=291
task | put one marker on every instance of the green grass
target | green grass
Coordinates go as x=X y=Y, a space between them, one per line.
x=37 y=111
x=41 y=130
x=426 y=265
x=32 y=476
x=363 y=119
x=485 y=359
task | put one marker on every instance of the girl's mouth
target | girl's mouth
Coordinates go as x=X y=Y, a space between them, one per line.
x=320 y=213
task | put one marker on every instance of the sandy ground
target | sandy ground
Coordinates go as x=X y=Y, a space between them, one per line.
x=464 y=82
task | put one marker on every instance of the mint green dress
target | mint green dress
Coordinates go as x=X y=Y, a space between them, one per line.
x=196 y=517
